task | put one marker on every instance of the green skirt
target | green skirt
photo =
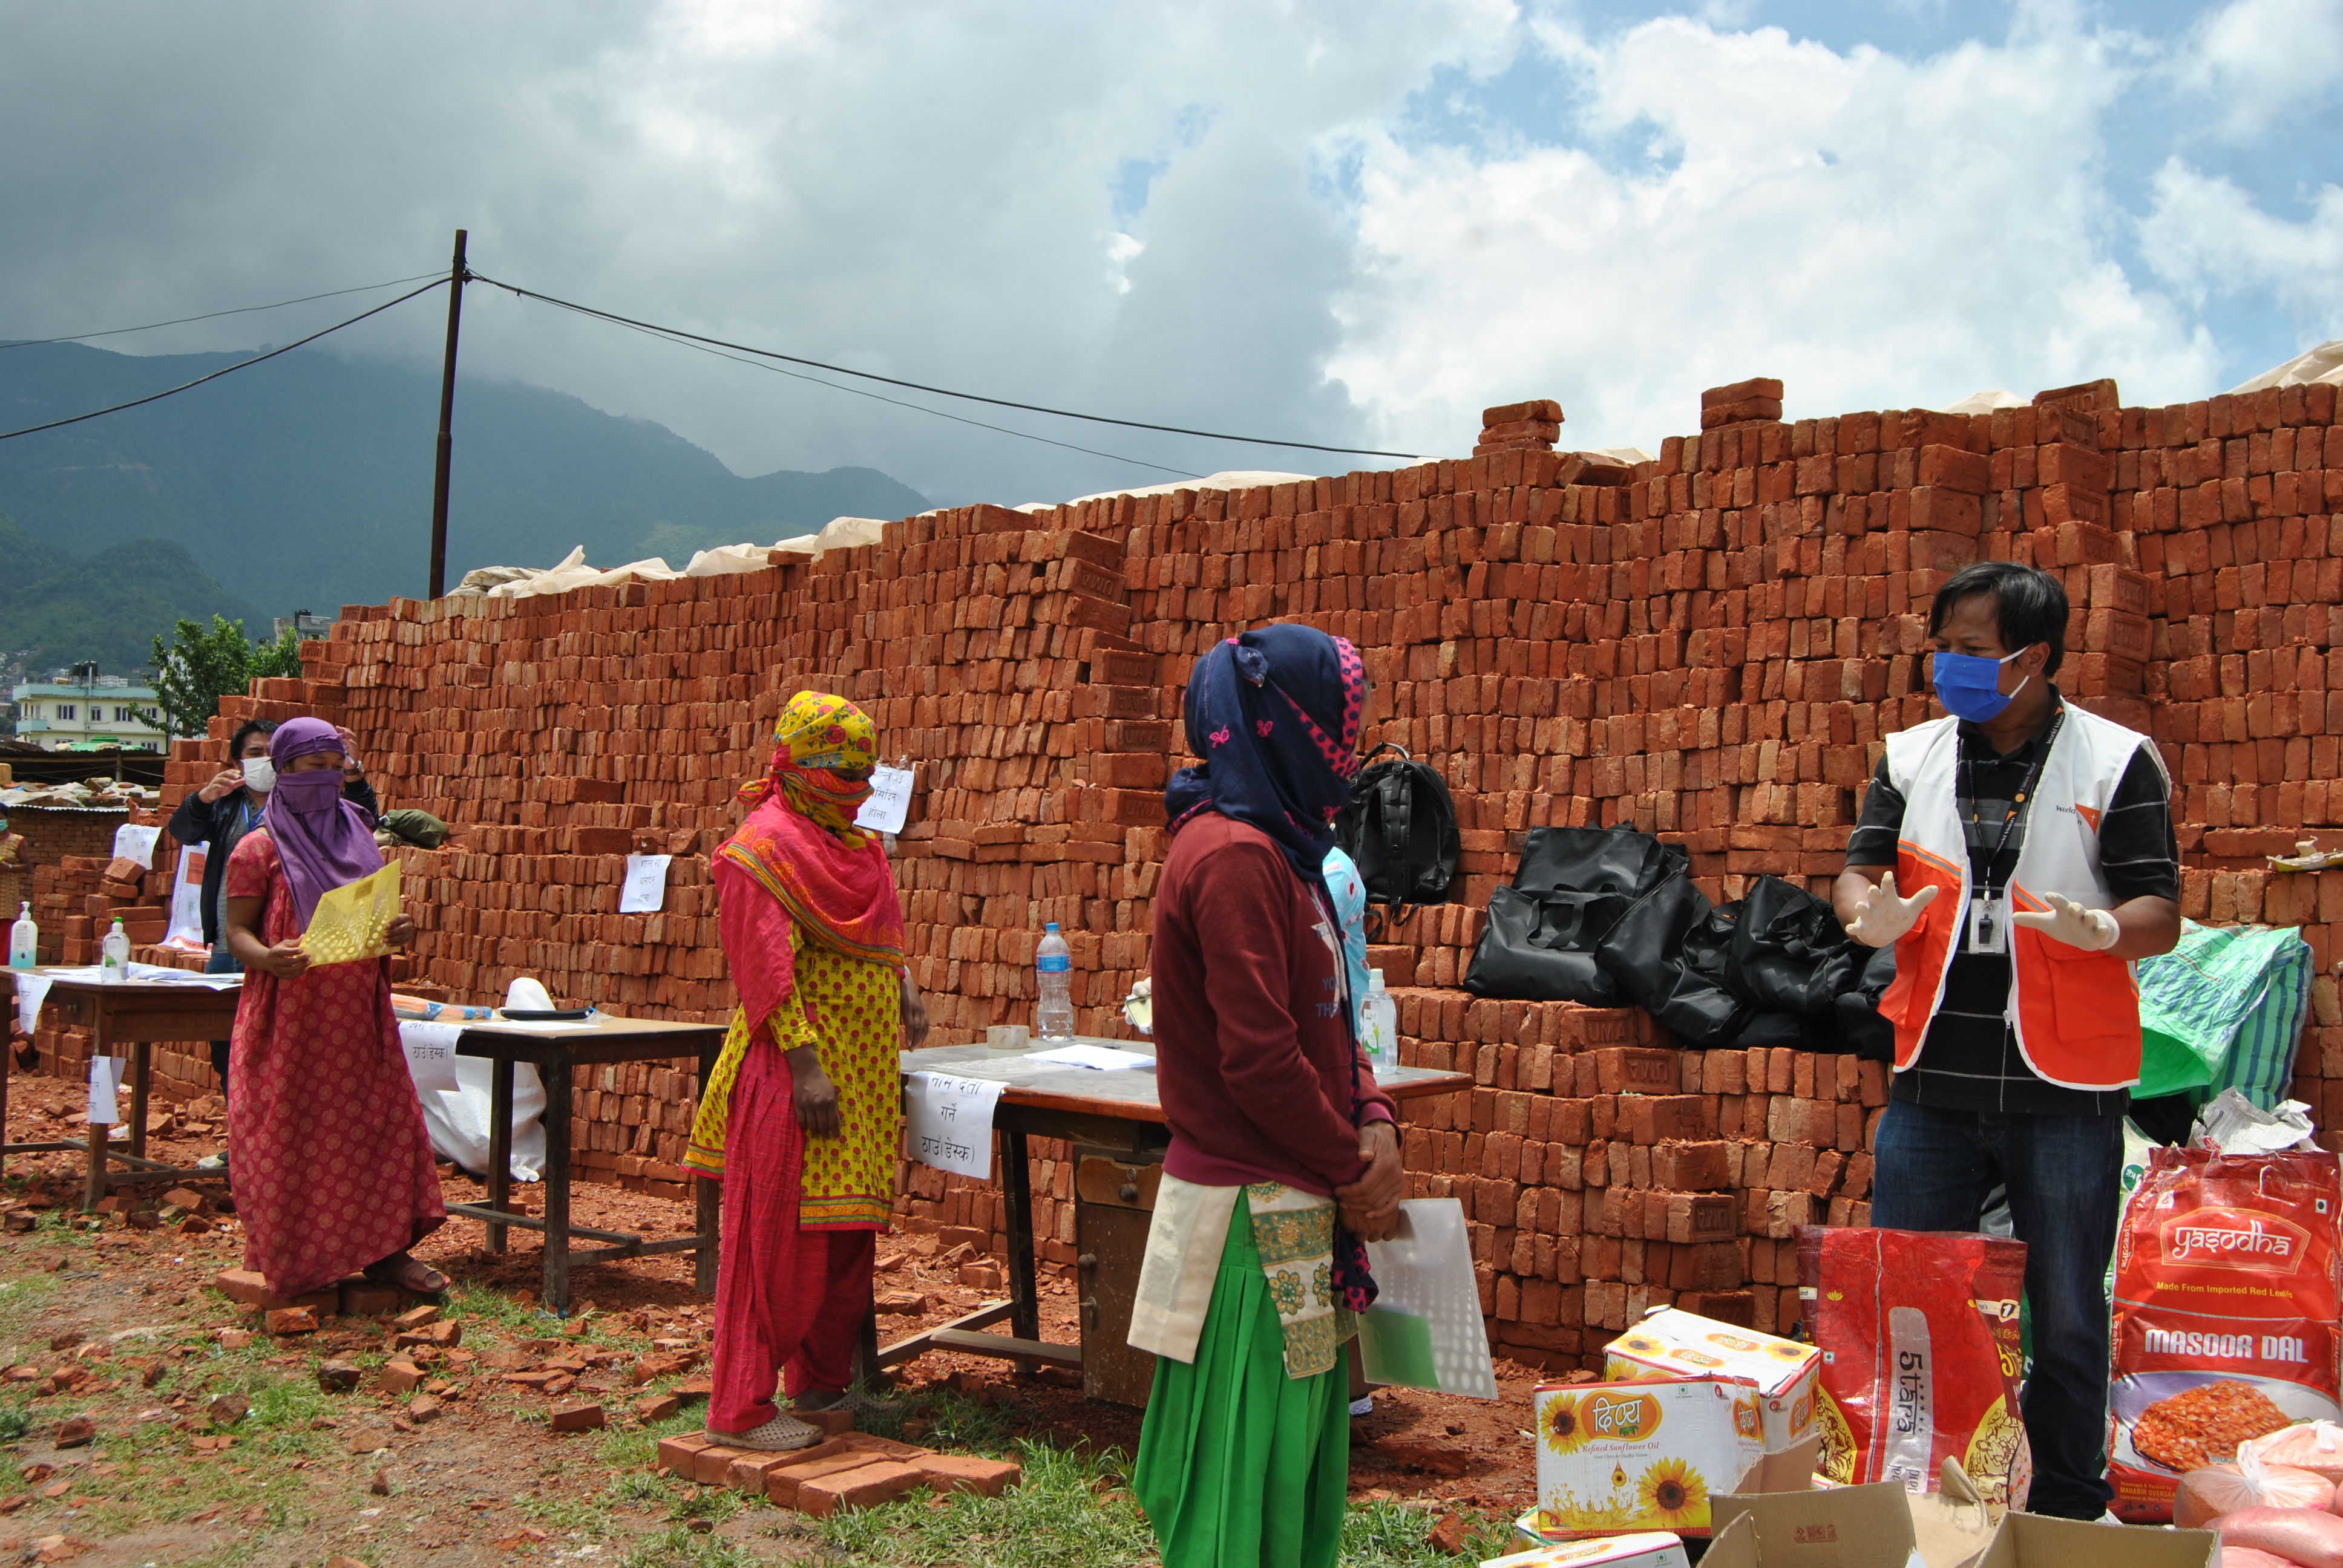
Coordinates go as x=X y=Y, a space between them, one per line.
x=1240 y=1466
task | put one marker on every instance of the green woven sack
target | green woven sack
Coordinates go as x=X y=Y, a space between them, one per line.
x=420 y=828
x=2223 y=1009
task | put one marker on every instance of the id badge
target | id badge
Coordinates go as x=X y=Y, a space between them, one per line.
x=1988 y=926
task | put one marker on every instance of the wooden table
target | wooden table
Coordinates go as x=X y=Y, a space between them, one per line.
x=137 y=1012
x=557 y=1050
x=1114 y=1114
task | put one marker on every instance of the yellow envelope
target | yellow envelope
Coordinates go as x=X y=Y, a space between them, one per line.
x=351 y=919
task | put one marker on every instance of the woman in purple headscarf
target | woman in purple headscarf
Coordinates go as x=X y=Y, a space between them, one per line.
x=333 y=1167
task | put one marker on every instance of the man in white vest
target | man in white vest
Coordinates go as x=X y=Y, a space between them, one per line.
x=2019 y=854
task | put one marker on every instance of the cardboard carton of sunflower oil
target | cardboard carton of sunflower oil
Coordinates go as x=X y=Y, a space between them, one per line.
x=1648 y=1456
x=1648 y=1549
x=1672 y=1344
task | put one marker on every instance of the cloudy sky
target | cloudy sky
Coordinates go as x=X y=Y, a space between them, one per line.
x=1350 y=222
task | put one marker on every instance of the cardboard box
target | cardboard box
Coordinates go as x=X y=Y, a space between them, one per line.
x=1670 y=1343
x=1641 y=1456
x=1842 y=1527
x=2032 y=1540
x=1646 y=1549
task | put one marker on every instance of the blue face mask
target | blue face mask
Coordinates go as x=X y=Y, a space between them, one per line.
x=1969 y=685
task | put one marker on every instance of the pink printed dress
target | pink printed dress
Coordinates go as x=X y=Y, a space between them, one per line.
x=332 y=1164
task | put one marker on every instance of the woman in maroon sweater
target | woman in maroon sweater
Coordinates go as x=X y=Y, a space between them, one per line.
x=1284 y=1153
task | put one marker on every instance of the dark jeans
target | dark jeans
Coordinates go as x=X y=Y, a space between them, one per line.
x=221 y=962
x=1934 y=1169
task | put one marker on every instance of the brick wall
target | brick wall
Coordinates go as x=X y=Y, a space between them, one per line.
x=1708 y=646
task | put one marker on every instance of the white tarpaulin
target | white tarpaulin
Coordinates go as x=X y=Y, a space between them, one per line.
x=2322 y=364
x=572 y=572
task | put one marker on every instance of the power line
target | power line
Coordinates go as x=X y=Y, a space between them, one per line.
x=224 y=370
x=684 y=342
x=939 y=391
x=210 y=315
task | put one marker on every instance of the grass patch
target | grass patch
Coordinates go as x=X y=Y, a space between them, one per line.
x=680 y=1546
x=1055 y=1520
x=570 y=1515
x=940 y=1417
x=23 y=1299
x=482 y=1307
x=639 y=1450
x=711 y=1505
x=1071 y=1512
x=641 y=1486
x=1386 y=1534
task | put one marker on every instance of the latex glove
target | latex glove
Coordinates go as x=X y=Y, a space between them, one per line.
x=2093 y=931
x=1884 y=917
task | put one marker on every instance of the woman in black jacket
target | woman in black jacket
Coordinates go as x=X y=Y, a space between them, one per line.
x=220 y=814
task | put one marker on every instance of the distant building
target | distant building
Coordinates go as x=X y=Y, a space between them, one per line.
x=302 y=624
x=81 y=710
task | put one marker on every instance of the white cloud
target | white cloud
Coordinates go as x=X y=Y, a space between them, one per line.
x=2206 y=234
x=2265 y=58
x=1876 y=231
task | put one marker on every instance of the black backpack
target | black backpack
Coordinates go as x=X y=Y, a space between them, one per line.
x=1401 y=829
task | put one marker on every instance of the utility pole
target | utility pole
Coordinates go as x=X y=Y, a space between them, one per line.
x=456 y=274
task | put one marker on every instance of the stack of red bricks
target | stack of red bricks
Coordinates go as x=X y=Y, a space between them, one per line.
x=1708 y=646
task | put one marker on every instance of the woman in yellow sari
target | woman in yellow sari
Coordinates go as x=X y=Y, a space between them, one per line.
x=802 y=1118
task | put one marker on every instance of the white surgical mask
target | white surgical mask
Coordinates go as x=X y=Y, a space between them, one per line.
x=259 y=775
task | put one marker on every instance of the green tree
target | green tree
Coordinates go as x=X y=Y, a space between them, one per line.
x=203 y=665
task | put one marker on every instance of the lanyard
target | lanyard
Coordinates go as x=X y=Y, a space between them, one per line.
x=2019 y=807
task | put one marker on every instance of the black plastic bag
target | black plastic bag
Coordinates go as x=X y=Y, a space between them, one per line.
x=1645 y=952
x=1594 y=861
x=1861 y=1029
x=1540 y=946
x=1790 y=954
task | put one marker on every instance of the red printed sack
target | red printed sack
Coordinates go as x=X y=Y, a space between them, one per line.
x=2226 y=1298
x=1918 y=1331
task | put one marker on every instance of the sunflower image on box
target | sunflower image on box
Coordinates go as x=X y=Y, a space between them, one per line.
x=1645 y=1455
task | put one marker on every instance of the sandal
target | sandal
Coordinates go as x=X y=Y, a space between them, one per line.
x=408 y=1272
x=781 y=1433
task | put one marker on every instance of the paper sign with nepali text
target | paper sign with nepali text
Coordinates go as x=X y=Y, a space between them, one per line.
x=135 y=844
x=890 y=805
x=950 y=1120
x=644 y=892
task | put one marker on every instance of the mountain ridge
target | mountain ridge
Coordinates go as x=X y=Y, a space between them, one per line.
x=306 y=483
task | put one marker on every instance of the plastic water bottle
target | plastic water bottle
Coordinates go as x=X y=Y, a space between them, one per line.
x=23 y=939
x=1379 y=1025
x=114 y=966
x=1054 y=964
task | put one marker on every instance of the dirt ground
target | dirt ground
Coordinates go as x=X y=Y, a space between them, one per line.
x=121 y=1325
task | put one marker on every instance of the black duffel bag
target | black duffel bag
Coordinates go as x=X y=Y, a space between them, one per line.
x=1540 y=946
x=1570 y=886
x=1652 y=952
x=1790 y=954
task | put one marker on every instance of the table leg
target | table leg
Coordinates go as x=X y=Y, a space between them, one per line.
x=1016 y=1191
x=142 y=1068
x=706 y=1205
x=500 y=1171
x=93 y=1188
x=557 y=1187
x=7 y=1068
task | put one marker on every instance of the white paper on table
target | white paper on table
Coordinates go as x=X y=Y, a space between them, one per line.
x=951 y=1121
x=889 y=805
x=187 y=897
x=32 y=990
x=164 y=974
x=1104 y=1058
x=645 y=886
x=431 y=1052
x=104 y=1086
x=135 y=844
